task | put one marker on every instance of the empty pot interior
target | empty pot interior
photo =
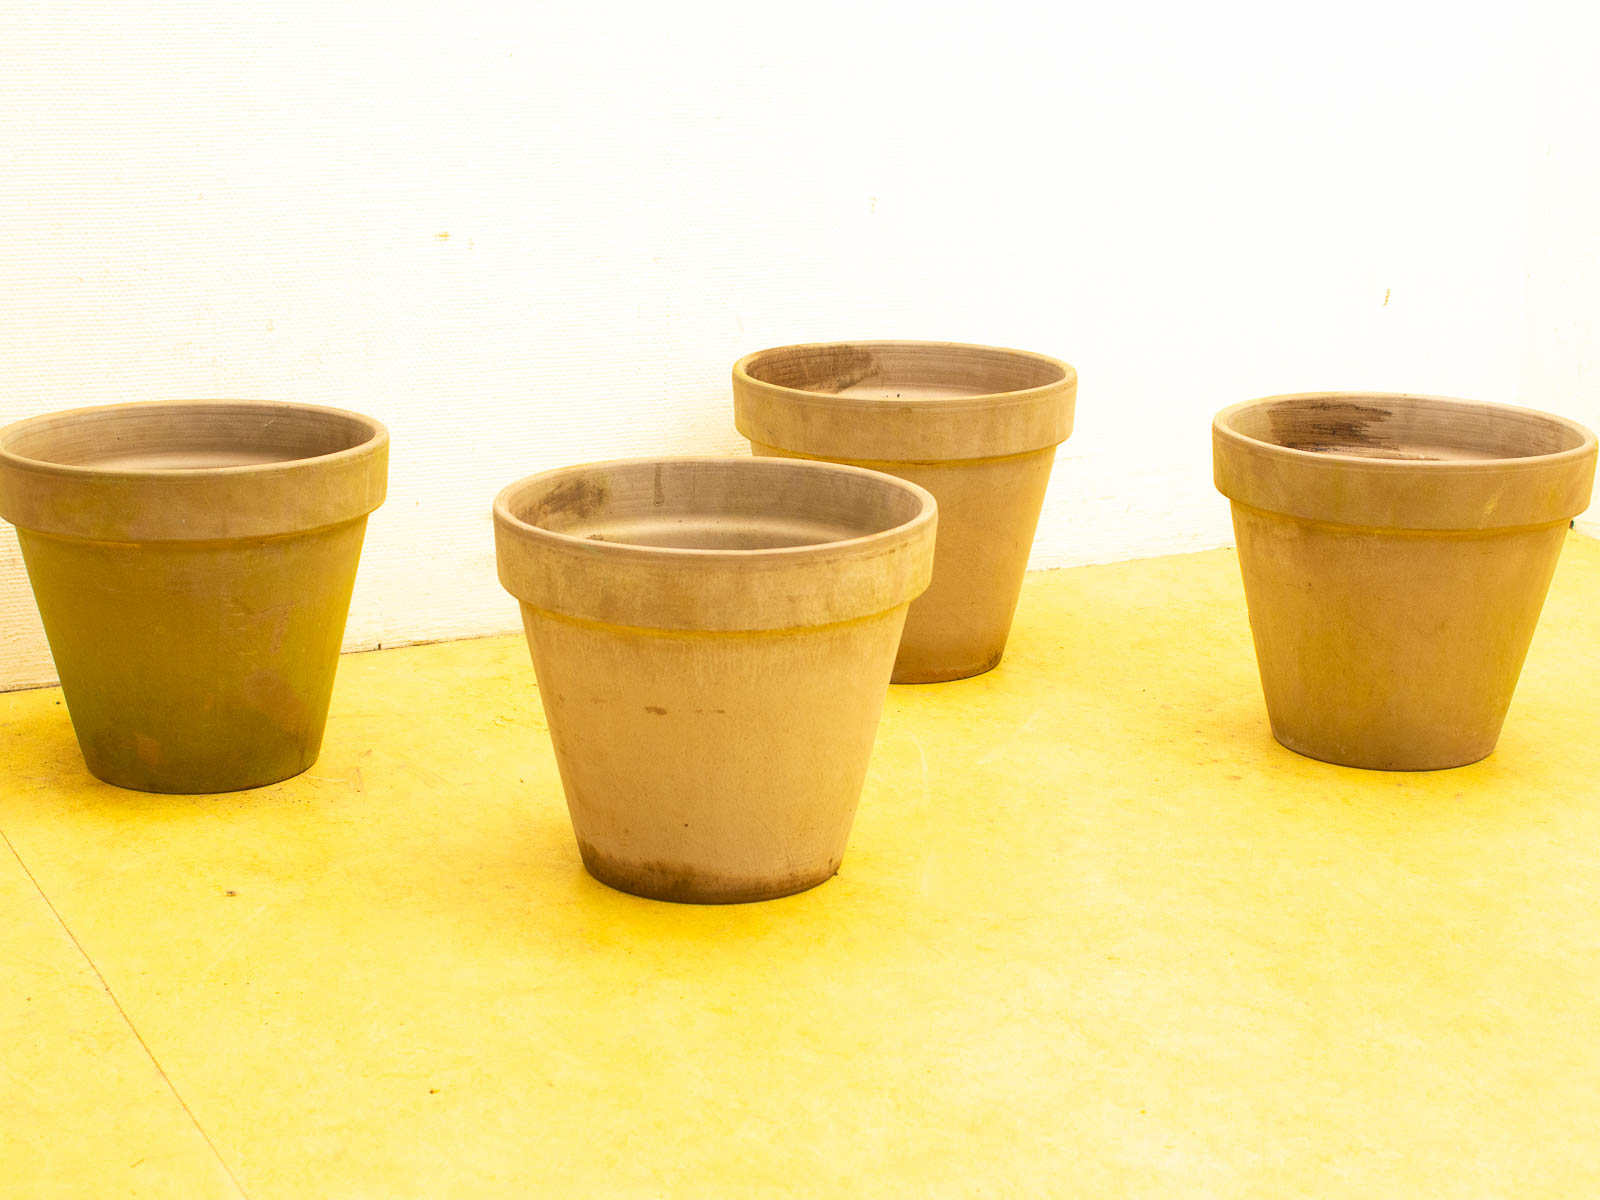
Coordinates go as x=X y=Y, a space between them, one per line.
x=903 y=370
x=734 y=504
x=1417 y=428
x=187 y=436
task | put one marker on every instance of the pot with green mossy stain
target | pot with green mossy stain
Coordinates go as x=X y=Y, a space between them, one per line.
x=193 y=563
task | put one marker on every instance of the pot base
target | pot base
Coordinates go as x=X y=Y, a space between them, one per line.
x=684 y=885
x=1363 y=760
x=910 y=670
x=114 y=771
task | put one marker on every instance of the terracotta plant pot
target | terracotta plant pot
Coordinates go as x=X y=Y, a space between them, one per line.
x=1396 y=551
x=712 y=639
x=192 y=562
x=975 y=425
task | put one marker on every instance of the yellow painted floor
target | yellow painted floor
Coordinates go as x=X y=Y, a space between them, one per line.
x=1096 y=934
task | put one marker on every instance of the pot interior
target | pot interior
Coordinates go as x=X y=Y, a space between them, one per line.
x=732 y=504
x=903 y=370
x=1415 y=428
x=187 y=436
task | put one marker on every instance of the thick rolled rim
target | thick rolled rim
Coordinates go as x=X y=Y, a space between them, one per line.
x=996 y=403
x=1224 y=427
x=1065 y=373
x=507 y=501
x=377 y=436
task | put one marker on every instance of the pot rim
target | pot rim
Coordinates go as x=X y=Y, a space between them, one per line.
x=926 y=512
x=706 y=589
x=377 y=436
x=1068 y=374
x=874 y=429
x=175 y=504
x=1587 y=442
x=1460 y=495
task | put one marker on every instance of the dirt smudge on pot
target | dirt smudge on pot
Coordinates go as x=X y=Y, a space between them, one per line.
x=1335 y=426
x=830 y=368
x=575 y=499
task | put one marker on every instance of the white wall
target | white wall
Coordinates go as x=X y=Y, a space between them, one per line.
x=527 y=235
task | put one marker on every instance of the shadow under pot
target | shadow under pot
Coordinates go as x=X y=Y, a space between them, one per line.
x=1396 y=551
x=193 y=562
x=712 y=640
x=977 y=426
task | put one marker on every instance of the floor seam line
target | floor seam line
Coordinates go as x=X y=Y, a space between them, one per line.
x=128 y=1021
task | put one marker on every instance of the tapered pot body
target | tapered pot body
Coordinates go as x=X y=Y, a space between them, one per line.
x=1396 y=551
x=977 y=426
x=713 y=640
x=193 y=563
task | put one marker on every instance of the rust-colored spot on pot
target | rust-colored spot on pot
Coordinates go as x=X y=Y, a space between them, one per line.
x=270 y=694
x=148 y=750
x=652 y=708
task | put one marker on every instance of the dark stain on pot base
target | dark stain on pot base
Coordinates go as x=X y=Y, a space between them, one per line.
x=651 y=708
x=678 y=884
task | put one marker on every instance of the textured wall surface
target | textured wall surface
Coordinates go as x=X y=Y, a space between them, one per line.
x=530 y=235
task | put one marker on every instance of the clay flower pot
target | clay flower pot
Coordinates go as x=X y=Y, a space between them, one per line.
x=975 y=425
x=1396 y=551
x=192 y=562
x=712 y=639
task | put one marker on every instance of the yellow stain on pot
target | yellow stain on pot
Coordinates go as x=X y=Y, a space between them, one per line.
x=1096 y=934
